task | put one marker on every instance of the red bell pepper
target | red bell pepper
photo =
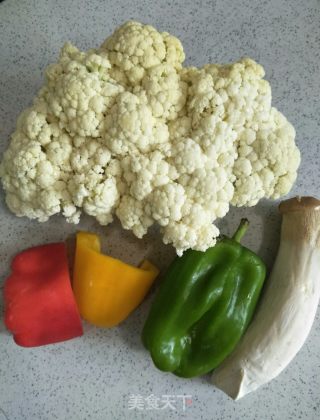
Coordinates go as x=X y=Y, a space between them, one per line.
x=39 y=304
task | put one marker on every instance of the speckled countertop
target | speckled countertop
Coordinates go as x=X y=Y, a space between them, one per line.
x=99 y=375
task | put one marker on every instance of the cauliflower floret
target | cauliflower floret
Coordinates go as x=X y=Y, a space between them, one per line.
x=135 y=47
x=268 y=161
x=180 y=127
x=211 y=189
x=131 y=127
x=126 y=130
x=27 y=174
x=187 y=156
x=59 y=150
x=89 y=153
x=102 y=202
x=166 y=203
x=132 y=215
x=165 y=90
x=236 y=99
x=195 y=231
x=144 y=173
x=232 y=93
x=80 y=91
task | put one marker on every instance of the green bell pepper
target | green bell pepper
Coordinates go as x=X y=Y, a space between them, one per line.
x=204 y=304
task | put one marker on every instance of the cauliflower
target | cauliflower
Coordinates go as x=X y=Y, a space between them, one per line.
x=134 y=48
x=126 y=130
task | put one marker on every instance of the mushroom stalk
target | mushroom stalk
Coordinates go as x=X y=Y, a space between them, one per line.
x=287 y=308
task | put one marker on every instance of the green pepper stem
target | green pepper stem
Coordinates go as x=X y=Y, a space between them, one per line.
x=240 y=232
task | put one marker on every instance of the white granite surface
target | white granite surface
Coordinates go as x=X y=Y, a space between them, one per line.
x=93 y=377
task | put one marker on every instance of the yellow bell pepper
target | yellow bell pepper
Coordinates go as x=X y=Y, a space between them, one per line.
x=106 y=289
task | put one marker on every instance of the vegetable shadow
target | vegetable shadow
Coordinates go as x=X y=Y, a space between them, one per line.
x=268 y=211
x=263 y=233
x=3 y=330
x=130 y=330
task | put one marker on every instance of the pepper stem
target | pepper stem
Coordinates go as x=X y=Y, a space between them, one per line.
x=240 y=232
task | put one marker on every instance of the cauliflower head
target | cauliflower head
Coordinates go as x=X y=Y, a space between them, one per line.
x=126 y=130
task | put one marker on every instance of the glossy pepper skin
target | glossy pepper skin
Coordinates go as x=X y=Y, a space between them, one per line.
x=203 y=306
x=106 y=289
x=40 y=307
